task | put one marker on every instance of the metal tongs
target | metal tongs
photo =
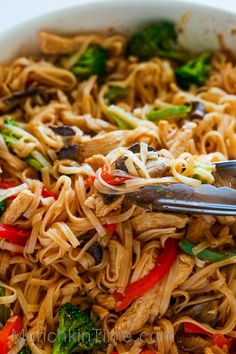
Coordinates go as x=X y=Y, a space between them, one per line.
x=181 y=198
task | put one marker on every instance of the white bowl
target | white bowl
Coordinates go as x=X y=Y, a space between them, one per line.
x=200 y=27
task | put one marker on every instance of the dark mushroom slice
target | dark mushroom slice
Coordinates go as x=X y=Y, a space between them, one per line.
x=135 y=148
x=189 y=343
x=63 y=130
x=206 y=312
x=9 y=102
x=120 y=164
x=69 y=152
x=96 y=252
x=197 y=109
x=108 y=198
x=157 y=169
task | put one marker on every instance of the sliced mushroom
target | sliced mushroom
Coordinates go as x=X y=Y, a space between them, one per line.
x=157 y=169
x=69 y=152
x=191 y=343
x=63 y=130
x=135 y=148
x=197 y=109
x=9 y=102
x=96 y=252
x=205 y=312
x=108 y=198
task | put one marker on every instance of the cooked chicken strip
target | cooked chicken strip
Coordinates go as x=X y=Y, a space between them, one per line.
x=135 y=317
x=152 y=220
x=184 y=269
x=96 y=201
x=17 y=207
x=148 y=306
x=54 y=44
x=101 y=144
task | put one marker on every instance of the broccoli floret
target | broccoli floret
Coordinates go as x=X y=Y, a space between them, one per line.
x=25 y=350
x=195 y=71
x=159 y=39
x=115 y=92
x=92 y=62
x=76 y=332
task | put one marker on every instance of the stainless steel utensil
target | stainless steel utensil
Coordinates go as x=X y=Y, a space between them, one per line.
x=181 y=198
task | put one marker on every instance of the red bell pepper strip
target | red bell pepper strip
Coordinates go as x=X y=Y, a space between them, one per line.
x=89 y=181
x=221 y=341
x=10 y=199
x=192 y=328
x=110 y=179
x=12 y=326
x=110 y=227
x=138 y=288
x=14 y=234
x=146 y=351
x=4 y=184
x=47 y=193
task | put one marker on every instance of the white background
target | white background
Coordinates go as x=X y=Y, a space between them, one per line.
x=16 y=11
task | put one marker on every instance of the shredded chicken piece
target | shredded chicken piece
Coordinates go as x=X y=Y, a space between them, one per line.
x=152 y=220
x=196 y=228
x=102 y=144
x=53 y=44
x=96 y=161
x=147 y=306
x=95 y=201
x=135 y=317
x=17 y=207
x=226 y=220
x=185 y=267
x=87 y=123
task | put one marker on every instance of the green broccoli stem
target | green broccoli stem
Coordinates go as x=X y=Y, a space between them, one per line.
x=115 y=92
x=34 y=159
x=175 y=112
x=31 y=161
x=207 y=254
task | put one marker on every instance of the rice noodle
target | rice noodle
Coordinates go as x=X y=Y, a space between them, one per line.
x=63 y=147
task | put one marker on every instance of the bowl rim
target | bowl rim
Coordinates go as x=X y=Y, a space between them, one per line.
x=185 y=5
